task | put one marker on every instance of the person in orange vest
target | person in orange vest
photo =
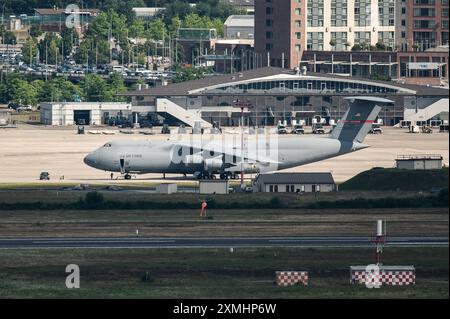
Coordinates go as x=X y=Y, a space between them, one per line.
x=203 y=209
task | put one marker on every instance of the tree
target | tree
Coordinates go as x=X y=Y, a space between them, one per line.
x=116 y=86
x=9 y=37
x=57 y=90
x=333 y=44
x=156 y=29
x=380 y=46
x=49 y=49
x=69 y=39
x=23 y=93
x=188 y=74
x=175 y=24
x=95 y=88
x=93 y=52
x=35 y=31
x=137 y=29
x=29 y=50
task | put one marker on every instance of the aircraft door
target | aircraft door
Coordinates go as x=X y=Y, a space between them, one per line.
x=124 y=165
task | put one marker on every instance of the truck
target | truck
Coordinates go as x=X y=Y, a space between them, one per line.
x=281 y=129
x=376 y=129
x=298 y=129
x=318 y=128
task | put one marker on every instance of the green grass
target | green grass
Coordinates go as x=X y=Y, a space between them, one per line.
x=230 y=222
x=389 y=179
x=213 y=273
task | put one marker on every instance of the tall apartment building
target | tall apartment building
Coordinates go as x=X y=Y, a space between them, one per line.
x=280 y=31
x=421 y=24
x=291 y=26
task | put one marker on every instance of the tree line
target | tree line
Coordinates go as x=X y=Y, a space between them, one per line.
x=19 y=89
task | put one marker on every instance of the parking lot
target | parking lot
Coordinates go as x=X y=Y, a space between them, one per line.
x=29 y=150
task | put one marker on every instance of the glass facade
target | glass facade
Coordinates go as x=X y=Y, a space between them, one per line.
x=315 y=13
x=303 y=86
x=362 y=13
x=338 y=13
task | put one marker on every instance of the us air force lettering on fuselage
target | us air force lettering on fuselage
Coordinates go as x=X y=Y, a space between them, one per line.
x=228 y=155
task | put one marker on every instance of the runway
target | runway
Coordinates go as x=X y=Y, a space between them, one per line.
x=214 y=242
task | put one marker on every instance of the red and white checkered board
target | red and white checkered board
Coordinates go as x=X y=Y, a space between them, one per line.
x=290 y=278
x=390 y=278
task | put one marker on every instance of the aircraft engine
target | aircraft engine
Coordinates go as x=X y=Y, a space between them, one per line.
x=213 y=164
x=246 y=167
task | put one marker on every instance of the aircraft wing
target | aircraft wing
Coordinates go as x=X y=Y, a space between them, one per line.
x=218 y=148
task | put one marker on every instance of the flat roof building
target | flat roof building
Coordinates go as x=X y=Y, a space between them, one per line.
x=419 y=162
x=240 y=27
x=294 y=183
x=89 y=113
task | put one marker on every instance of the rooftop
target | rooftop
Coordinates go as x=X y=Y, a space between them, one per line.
x=242 y=3
x=295 y=178
x=58 y=11
x=195 y=87
x=240 y=21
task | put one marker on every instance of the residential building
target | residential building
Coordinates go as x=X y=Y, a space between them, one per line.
x=320 y=25
x=422 y=24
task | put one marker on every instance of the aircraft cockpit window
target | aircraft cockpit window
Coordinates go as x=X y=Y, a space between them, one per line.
x=107 y=145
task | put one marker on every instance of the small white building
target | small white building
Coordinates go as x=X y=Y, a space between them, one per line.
x=294 y=183
x=147 y=12
x=419 y=162
x=167 y=188
x=213 y=186
x=89 y=113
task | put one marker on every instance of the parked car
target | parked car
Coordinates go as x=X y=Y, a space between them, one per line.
x=298 y=129
x=44 y=176
x=145 y=124
x=376 y=129
x=281 y=129
x=165 y=129
x=318 y=129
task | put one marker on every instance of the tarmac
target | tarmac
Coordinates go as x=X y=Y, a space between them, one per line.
x=214 y=242
x=28 y=150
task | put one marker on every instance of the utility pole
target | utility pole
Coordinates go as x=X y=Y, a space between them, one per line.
x=46 y=60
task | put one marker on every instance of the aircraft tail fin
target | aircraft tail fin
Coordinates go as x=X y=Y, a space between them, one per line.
x=358 y=120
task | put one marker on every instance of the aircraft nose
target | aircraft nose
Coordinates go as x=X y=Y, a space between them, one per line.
x=90 y=159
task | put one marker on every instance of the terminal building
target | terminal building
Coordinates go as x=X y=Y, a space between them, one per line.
x=266 y=96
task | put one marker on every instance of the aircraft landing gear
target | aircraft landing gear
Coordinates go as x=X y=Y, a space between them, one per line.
x=225 y=176
x=206 y=175
x=127 y=176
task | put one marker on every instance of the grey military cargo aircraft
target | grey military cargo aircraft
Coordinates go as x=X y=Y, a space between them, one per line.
x=230 y=156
